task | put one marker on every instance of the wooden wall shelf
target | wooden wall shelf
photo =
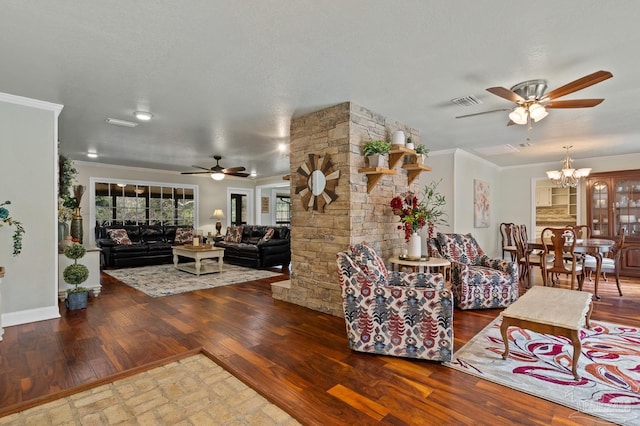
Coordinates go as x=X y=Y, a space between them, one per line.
x=414 y=170
x=397 y=153
x=374 y=174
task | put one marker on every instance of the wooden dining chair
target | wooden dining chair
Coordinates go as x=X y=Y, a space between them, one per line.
x=610 y=264
x=582 y=231
x=527 y=258
x=506 y=235
x=560 y=257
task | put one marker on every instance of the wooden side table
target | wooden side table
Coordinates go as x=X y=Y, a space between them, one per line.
x=424 y=265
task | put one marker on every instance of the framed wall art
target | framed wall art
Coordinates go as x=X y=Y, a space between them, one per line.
x=481 y=204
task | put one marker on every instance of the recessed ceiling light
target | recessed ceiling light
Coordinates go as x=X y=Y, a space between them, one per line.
x=91 y=154
x=118 y=122
x=253 y=174
x=143 y=115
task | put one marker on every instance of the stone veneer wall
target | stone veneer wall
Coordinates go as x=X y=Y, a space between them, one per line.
x=355 y=216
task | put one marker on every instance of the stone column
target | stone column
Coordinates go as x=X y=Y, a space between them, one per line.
x=355 y=216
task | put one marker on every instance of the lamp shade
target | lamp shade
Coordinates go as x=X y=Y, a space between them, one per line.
x=518 y=115
x=537 y=112
x=217 y=214
x=217 y=176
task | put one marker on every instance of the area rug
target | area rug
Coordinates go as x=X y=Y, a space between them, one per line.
x=165 y=280
x=194 y=390
x=540 y=365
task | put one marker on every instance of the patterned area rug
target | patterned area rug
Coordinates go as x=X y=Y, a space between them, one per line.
x=540 y=365
x=165 y=280
x=194 y=390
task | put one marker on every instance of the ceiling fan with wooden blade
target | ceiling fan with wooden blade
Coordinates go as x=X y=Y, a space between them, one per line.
x=532 y=102
x=218 y=172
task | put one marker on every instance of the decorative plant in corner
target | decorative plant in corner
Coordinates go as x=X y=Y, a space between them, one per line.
x=17 y=234
x=433 y=202
x=375 y=151
x=75 y=275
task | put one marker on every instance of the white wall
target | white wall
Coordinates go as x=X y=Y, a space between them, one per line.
x=28 y=165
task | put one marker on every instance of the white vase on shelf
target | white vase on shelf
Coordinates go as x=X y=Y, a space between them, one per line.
x=414 y=248
x=398 y=138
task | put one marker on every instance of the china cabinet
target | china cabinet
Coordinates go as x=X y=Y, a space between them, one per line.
x=613 y=206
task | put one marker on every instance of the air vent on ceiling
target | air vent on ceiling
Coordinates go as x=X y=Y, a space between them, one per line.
x=466 y=101
x=496 y=150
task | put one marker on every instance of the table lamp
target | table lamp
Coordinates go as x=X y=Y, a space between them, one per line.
x=217 y=214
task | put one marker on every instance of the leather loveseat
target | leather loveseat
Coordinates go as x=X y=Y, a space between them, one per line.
x=256 y=246
x=147 y=245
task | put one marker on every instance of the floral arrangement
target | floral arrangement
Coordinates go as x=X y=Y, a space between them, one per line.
x=66 y=202
x=415 y=214
x=17 y=235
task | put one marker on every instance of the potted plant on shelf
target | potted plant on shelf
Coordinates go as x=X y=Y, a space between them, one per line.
x=410 y=142
x=376 y=152
x=421 y=154
x=75 y=275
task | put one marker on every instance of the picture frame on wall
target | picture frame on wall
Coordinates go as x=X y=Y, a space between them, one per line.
x=481 y=204
x=264 y=205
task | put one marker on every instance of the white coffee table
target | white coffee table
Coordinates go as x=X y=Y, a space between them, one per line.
x=550 y=310
x=198 y=253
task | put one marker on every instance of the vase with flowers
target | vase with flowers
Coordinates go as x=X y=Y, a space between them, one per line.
x=415 y=214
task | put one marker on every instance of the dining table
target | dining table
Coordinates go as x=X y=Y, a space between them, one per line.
x=593 y=246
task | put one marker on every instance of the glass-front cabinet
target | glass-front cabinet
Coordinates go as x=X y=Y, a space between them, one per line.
x=613 y=207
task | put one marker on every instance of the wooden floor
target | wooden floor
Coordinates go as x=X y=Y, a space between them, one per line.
x=296 y=357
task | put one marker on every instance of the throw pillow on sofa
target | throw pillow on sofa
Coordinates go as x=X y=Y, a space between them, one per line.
x=183 y=236
x=119 y=236
x=234 y=234
x=268 y=235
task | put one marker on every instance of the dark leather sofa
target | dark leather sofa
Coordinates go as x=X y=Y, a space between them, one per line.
x=151 y=245
x=254 y=252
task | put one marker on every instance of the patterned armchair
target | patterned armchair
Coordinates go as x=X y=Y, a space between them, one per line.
x=477 y=281
x=399 y=314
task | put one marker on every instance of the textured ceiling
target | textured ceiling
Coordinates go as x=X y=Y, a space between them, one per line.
x=226 y=77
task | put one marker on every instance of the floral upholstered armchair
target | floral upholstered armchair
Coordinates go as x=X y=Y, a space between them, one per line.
x=399 y=314
x=477 y=281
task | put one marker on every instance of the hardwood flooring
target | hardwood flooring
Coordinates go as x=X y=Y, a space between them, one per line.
x=296 y=357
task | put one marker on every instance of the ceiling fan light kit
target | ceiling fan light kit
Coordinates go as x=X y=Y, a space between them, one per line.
x=217 y=176
x=568 y=176
x=532 y=102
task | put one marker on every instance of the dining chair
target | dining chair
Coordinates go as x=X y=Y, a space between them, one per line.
x=508 y=243
x=610 y=264
x=582 y=231
x=527 y=258
x=560 y=257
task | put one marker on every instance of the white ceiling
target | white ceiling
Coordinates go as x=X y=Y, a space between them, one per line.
x=226 y=77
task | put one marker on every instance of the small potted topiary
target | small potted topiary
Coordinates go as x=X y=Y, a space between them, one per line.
x=376 y=152
x=76 y=274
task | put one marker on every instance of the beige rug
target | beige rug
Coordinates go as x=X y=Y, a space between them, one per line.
x=166 y=280
x=191 y=391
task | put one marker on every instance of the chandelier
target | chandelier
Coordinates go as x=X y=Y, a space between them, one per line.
x=568 y=176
